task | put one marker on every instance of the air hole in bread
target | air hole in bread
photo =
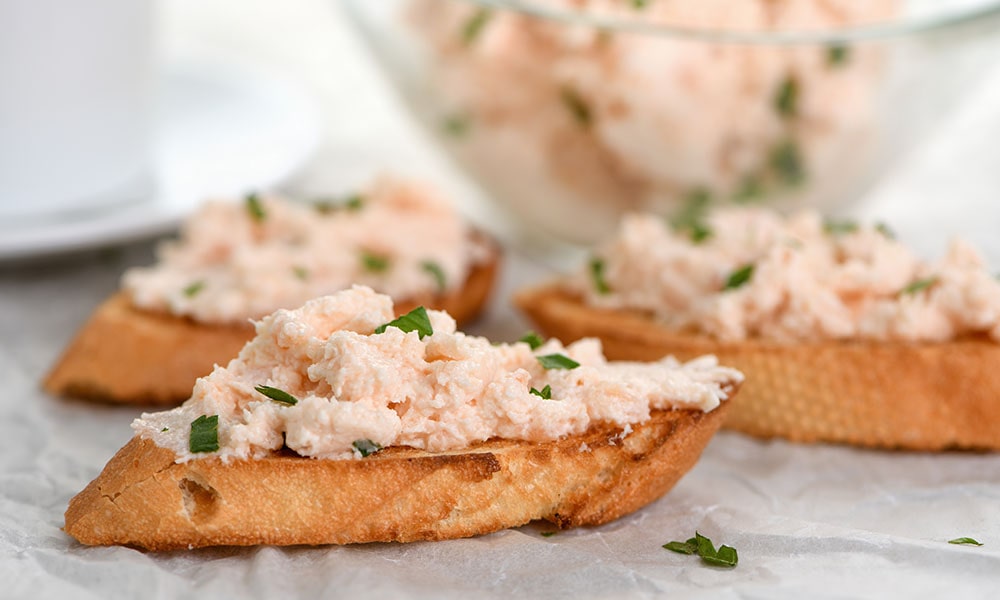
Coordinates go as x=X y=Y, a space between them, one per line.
x=200 y=499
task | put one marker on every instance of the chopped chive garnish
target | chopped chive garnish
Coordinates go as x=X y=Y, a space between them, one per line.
x=204 y=434
x=545 y=393
x=557 y=361
x=786 y=99
x=374 y=263
x=277 y=395
x=700 y=233
x=839 y=227
x=918 y=286
x=597 y=275
x=366 y=447
x=786 y=161
x=548 y=533
x=473 y=27
x=532 y=339
x=576 y=105
x=351 y=203
x=456 y=125
x=965 y=541
x=254 y=208
x=435 y=271
x=837 y=55
x=885 y=230
x=691 y=217
x=750 y=189
x=725 y=556
x=739 y=277
x=192 y=290
x=300 y=273
x=415 y=320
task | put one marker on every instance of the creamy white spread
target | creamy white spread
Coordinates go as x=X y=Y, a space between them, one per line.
x=596 y=122
x=233 y=262
x=443 y=392
x=810 y=280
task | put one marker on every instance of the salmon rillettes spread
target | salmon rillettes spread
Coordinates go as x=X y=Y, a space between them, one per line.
x=346 y=383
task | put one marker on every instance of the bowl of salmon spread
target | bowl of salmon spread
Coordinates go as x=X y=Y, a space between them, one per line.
x=571 y=113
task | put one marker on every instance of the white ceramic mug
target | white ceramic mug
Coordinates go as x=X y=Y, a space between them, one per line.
x=76 y=93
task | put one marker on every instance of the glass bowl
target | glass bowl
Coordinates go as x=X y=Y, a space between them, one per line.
x=572 y=112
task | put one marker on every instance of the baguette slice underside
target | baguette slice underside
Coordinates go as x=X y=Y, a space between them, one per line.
x=127 y=355
x=917 y=396
x=145 y=499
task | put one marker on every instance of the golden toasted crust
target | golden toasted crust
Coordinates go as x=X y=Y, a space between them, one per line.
x=919 y=396
x=144 y=499
x=127 y=355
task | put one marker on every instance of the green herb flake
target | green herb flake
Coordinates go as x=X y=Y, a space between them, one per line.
x=545 y=393
x=415 y=320
x=204 y=434
x=255 y=208
x=885 y=230
x=739 y=277
x=374 y=263
x=691 y=217
x=918 y=286
x=725 y=556
x=597 y=276
x=640 y=4
x=434 y=270
x=700 y=233
x=192 y=290
x=350 y=203
x=577 y=106
x=532 y=339
x=475 y=24
x=786 y=161
x=786 y=98
x=837 y=55
x=456 y=126
x=839 y=227
x=164 y=429
x=365 y=447
x=750 y=189
x=277 y=395
x=548 y=533
x=300 y=273
x=967 y=541
x=557 y=361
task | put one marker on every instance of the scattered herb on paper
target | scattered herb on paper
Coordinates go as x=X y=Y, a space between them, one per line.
x=277 y=395
x=366 y=447
x=532 y=339
x=557 y=361
x=966 y=541
x=434 y=270
x=545 y=393
x=204 y=434
x=739 y=277
x=725 y=556
x=415 y=320
x=254 y=208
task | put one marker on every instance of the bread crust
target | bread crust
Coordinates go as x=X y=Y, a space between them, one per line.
x=128 y=355
x=916 y=396
x=144 y=499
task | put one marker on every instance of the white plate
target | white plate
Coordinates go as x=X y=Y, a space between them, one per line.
x=223 y=130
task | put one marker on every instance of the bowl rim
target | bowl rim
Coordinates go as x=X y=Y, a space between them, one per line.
x=986 y=11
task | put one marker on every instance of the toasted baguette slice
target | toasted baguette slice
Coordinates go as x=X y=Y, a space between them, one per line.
x=127 y=355
x=144 y=499
x=918 y=396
